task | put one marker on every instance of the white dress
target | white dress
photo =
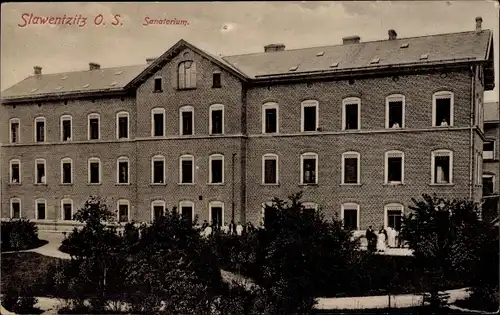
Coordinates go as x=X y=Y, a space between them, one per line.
x=391 y=237
x=239 y=229
x=381 y=242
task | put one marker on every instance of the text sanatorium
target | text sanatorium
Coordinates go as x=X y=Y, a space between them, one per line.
x=150 y=21
x=76 y=20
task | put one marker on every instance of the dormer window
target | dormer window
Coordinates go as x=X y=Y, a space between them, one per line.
x=187 y=75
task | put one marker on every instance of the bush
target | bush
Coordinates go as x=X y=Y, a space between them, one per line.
x=20 y=302
x=19 y=235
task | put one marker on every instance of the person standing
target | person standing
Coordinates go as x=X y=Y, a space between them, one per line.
x=232 y=228
x=239 y=229
x=381 y=239
x=370 y=238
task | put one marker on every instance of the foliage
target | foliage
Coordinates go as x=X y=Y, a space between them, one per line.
x=20 y=302
x=19 y=235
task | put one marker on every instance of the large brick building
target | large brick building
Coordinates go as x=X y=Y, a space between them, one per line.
x=360 y=128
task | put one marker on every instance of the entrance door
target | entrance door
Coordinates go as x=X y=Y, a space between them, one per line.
x=216 y=216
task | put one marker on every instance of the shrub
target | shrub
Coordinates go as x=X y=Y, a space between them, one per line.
x=20 y=302
x=19 y=235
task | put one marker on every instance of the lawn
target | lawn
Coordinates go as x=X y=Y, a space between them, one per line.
x=420 y=310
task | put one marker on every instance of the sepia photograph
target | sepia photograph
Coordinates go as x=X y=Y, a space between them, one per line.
x=247 y=158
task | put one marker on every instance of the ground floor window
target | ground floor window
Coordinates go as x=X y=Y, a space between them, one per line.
x=350 y=216
x=67 y=209
x=157 y=209
x=15 y=208
x=394 y=216
x=269 y=214
x=186 y=210
x=216 y=213
x=123 y=210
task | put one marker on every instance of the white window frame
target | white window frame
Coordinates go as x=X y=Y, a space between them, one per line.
x=212 y=108
x=216 y=157
x=310 y=205
x=350 y=206
x=44 y=162
x=37 y=119
x=94 y=116
x=186 y=157
x=118 y=161
x=433 y=156
x=392 y=205
x=63 y=202
x=303 y=105
x=12 y=201
x=157 y=203
x=394 y=153
x=440 y=95
x=157 y=158
x=273 y=105
x=70 y=119
x=183 y=109
x=12 y=162
x=270 y=156
x=157 y=110
x=63 y=161
x=37 y=202
x=395 y=98
x=118 y=204
x=494 y=149
x=117 y=127
x=350 y=154
x=216 y=204
x=308 y=155
x=351 y=101
x=93 y=160
x=189 y=203
x=492 y=176
x=18 y=121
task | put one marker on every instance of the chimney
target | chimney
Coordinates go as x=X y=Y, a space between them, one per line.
x=274 y=47
x=150 y=60
x=351 y=40
x=94 y=66
x=37 y=70
x=479 y=21
x=392 y=34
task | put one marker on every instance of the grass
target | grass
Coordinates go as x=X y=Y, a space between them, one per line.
x=424 y=310
x=39 y=243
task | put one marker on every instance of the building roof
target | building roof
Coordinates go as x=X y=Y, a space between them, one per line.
x=491 y=111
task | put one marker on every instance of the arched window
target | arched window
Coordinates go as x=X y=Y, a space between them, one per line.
x=94 y=126
x=15 y=208
x=310 y=115
x=393 y=215
x=216 y=169
x=157 y=209
x=350 y=168
x=186 y=120
x=15 y=125
x=394 y=167
x=270 y=170
x=94 y=170
x=270 y=118
x=309 y=168
x=40 y=209
x=15 y=171
x=66 y=209
x=123 y=170
x=66 y=171
x=216 y=119
x=187 y=74
x=216 y=213
x=122 y=125
x=350 y=216
x=66 y=127
x=40 y=134
x=442 y=167
x=123 y=212
x=186 y=169
x=442 y=109
x=158 y=170
x=395 y=111
x=186 y=210
x=351 y=113
x=40 y=171
x=269 y=214
x=158 y=122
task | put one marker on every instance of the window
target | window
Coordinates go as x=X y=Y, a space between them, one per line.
x=216 y=119
x=270 y=118
x=158 y=122
x=66 y=171
x=158 y=84
x=350 y=168
x=309 y=208
x=157 y=209
x=216 y=82
x=309 y=168
x=479 y=169
x=41 y=208
x=395 y=111
x=14 y=130
x=187 y=75
x=442 y=109
x=186 y=120
x=216 y=169
x=67 y=209
x=15 y=208
x=66 y=128
x=394 y=167
x=40 y=171
x=350 y=216
x=186 y=168
x=442 y=167
x=310 y=117
x=94 y=171
x=123 y=210
x=15 y=171
x=186 y=210
x=122 y=125
x=158 y=169
x=123 y=170
x=393 y=216
x=40 y=129
x=93 y=126
x=270 y=169
x=351 y=113
x=269 y=214
x=488 y=185
x=216 y=215
x=489 y=150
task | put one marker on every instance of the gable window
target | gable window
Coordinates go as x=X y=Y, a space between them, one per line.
x=489 y=149
x=186 y=210
x=393 y=216
x=395 y=111
x=158 y=84
x=270 y=169
x=40 y=129
x=350 y=216
x=14 y=130
x=15 y=171
x=394 y=167
x=66 y=209
x=270 y=118
x=157 y=209
x=216 y=80
x=186 y=168
x=158 y=122
x=351 y=113
x=123 y=170
x=216 y=169
x=216 y=213
x=442 y=109
x=94 y=171
x=310 y=110
x=66 y=128
x=15 y=208
x=93 y=126
x=40 y=171
x=488 y=185
x=187 y=74
x=309 y=168
x=123 y=210
x=216 y=119
x=442 y=166
x=122 y=125
x=66 y=171
x=158 y=169
x=186 y=121
x=41 y=207
x=350 y=168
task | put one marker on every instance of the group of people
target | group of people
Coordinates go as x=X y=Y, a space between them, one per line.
x=231 y=229
x=388 y=237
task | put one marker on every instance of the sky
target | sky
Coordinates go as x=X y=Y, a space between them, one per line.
x=224 y=28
